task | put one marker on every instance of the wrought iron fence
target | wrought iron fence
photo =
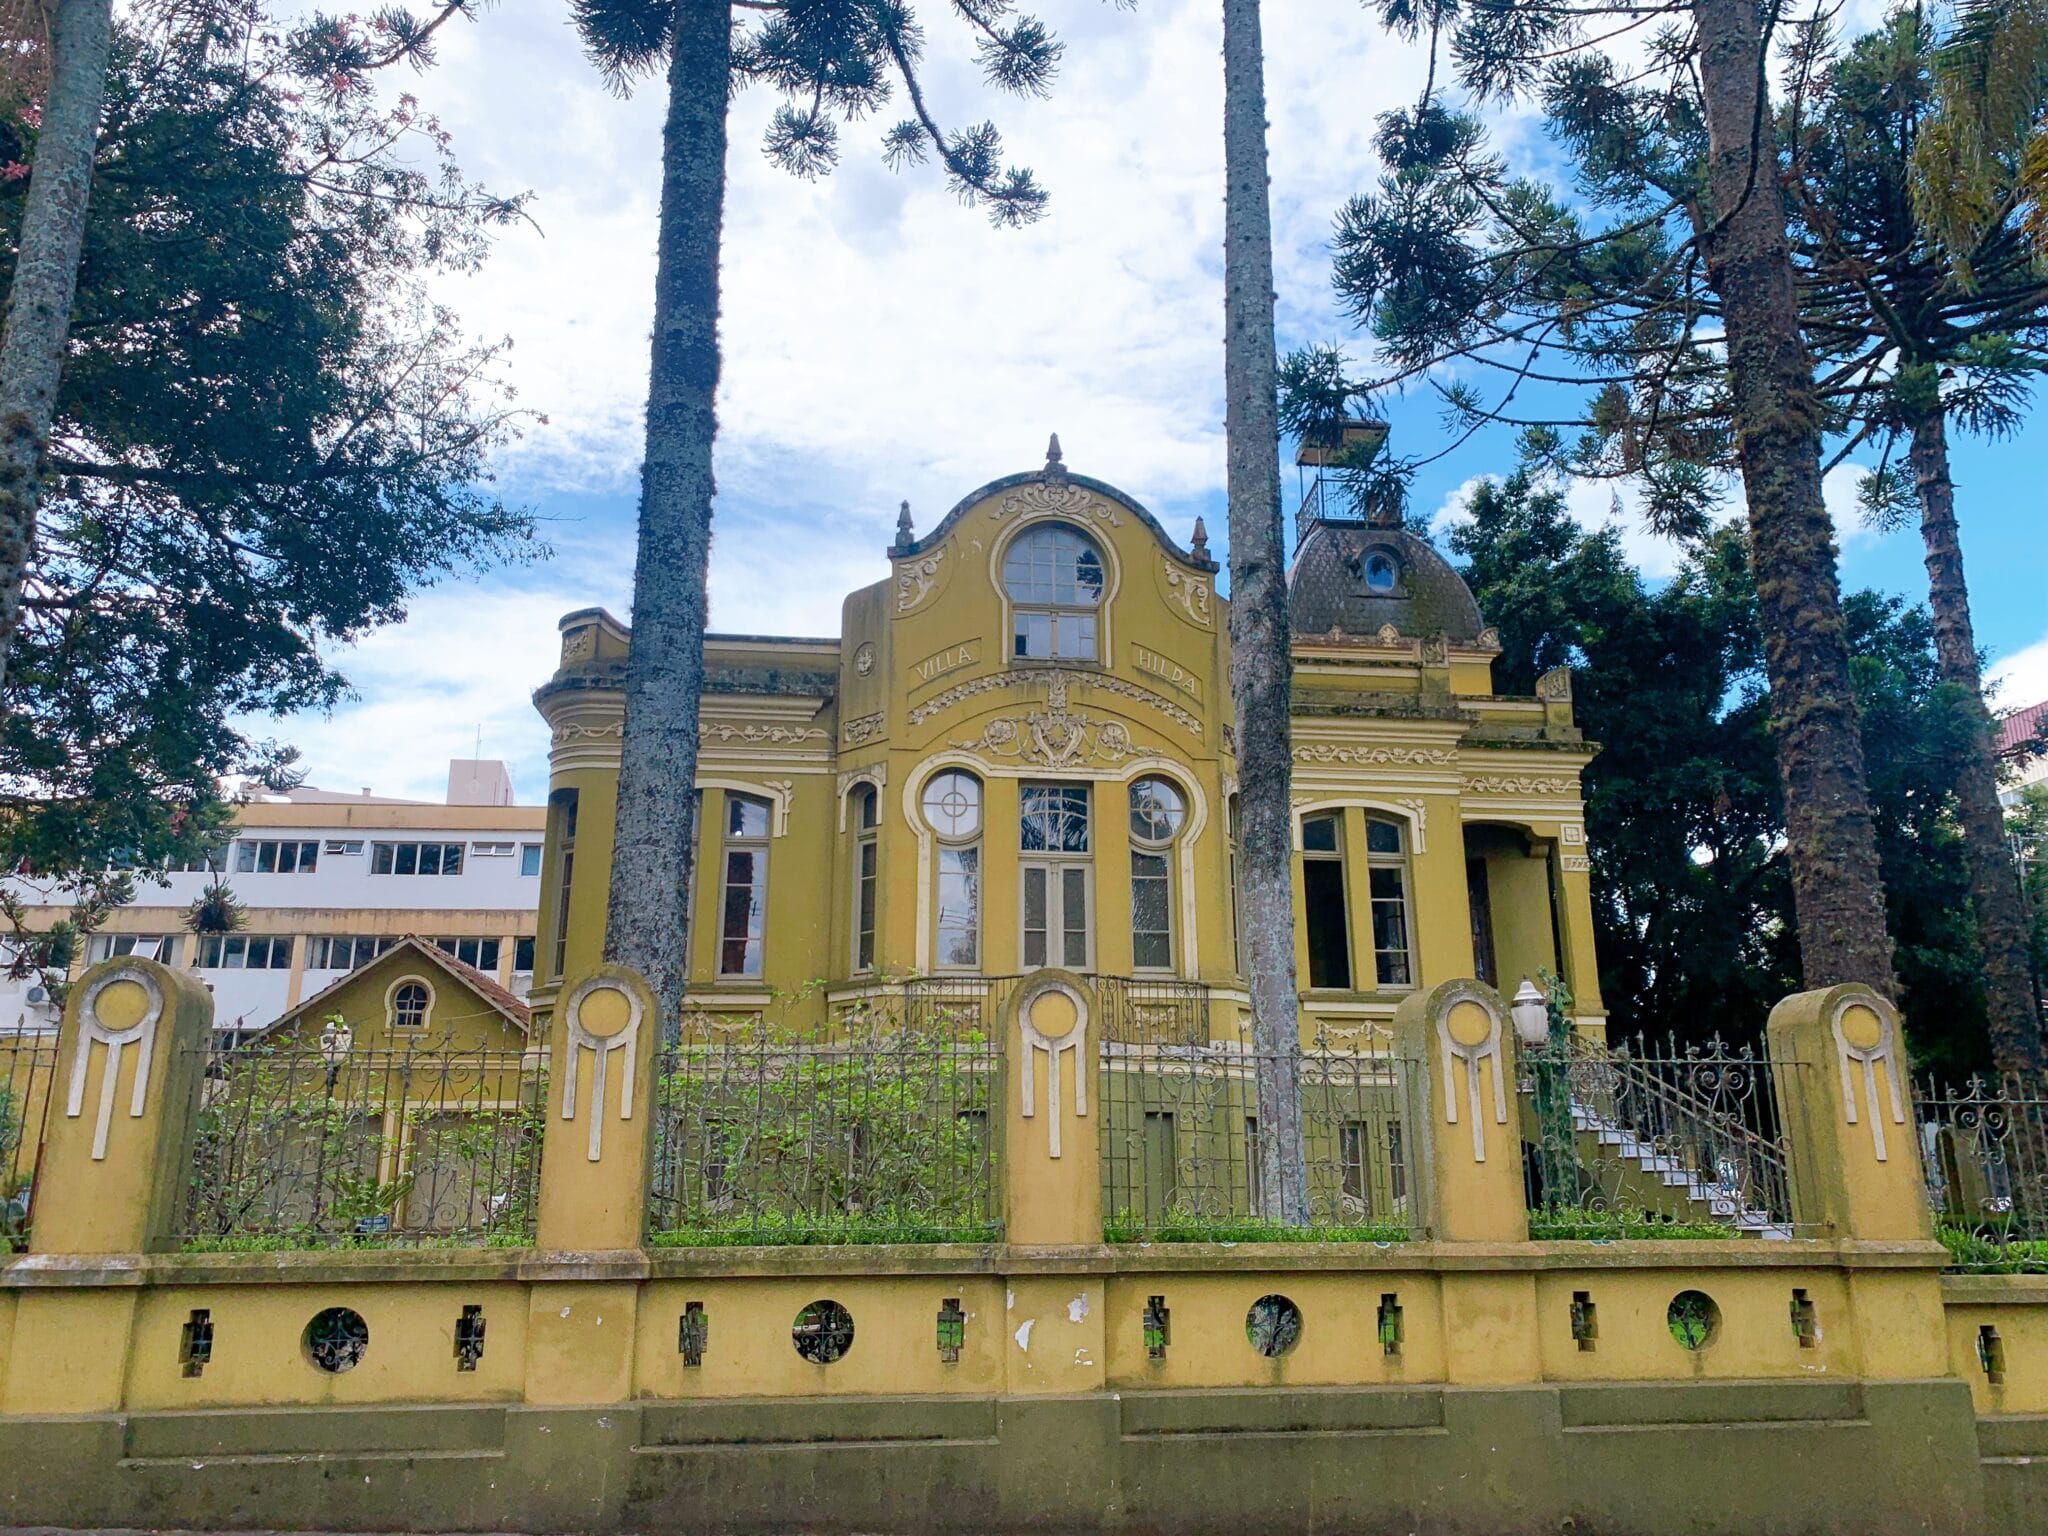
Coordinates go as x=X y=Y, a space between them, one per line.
x=1652 y=1140
x=1180 y=1127
x=877 y=1130
x=294 y=1150
x=1984 y=1153
x=28 y=1063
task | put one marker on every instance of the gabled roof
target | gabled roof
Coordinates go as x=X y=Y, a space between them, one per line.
x=2017 y=730
x=501 y=1000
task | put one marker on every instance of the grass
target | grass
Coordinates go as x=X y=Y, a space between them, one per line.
x=1129 y=1229
x=1551 y=1227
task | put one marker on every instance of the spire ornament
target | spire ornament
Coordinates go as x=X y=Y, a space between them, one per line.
x=1055 y=471
x=1200 y=548
x=905 y=534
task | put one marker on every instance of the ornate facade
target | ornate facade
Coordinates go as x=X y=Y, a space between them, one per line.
x=1019 y=753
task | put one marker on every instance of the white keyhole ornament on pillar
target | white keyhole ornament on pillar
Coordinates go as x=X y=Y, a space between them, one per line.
x=1053 y=1021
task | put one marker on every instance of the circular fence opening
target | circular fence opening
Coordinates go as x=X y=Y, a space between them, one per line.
x=823 y=1332
x=1273 y=1325
x=336 y=1339
x=1693 y=1319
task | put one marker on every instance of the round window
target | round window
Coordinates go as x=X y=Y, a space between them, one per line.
x=1273 y=1326
x=1693 y=1319
x=823 y=1332
x=1157 y=811
x=952 y=803
x=1382 y=574
x=336 y=1339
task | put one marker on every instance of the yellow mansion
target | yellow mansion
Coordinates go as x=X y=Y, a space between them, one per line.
x=1019 y=753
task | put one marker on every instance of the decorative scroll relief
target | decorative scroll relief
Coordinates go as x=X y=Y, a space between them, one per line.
x=916 y=578
x=1468 y=1030
x=604 y=1019
x=1053 y=1021
x=1418 y=815
x=1555 y=686
x=1436 y=650
x=1053 y=737
x=1572 y=835
x=1364 y=757
x=119 y=1010
x=997 y=682
x=1055 y=497
x=778 y=735
x=1511 y=785
x=862 y=729
x=1577 y=864
x=1866 y=1032
x=573 y=730
x=579 y=644
x=1191 y=592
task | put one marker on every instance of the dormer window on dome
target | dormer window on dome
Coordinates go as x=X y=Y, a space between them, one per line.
x=1381 y=572
x=1053 y=574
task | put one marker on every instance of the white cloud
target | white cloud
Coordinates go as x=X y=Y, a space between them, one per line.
x=2019 y=679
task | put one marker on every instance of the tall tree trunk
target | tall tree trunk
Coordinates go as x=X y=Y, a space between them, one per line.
x=2015 y=1010
x=45 y=280
x=1261 y=668
x=1831 y=844
x=655 y=840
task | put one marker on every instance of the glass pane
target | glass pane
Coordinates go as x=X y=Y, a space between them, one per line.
x=430 y=858
x=867 y=808
x=408 y=858
x=952 y=803
x=1074 y=918
x=451 y=859
x=1157 y=810
x=266 y=858
x=740 y=946
x=1319 y=834
x=1329 y=947
x=1053 y=564
x=1382 y=836
x=1077 y=636
x=959 y=906
x=1034 y=916
x=529 y=859
x=1034 y=634
x=745 y=818
x=1151 y=922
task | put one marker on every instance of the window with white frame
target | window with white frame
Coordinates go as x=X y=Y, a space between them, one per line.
x=272 y=856
x=1158 y=813
x=161 y=947
x=415 y=858
x=743 y=887
x=1386 y=860
x=952 y=809
x=344 y=952
x=1323 y=901
x=529 y=860
x=1054 y=843
x=411 y=1001
x=866 y=874
x=482 y=954
x=492 y=850
x=245 y=952
x=1053 y=575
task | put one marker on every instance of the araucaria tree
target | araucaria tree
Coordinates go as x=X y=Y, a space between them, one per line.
x=831 y=60
x=1261 y=671
x=1595 y=294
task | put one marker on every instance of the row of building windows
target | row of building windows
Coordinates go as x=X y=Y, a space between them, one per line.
x=1055 y=847
x=272 y=952
x=301 y=856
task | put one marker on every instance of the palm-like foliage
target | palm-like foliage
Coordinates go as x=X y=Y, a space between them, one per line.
x=1983 y=155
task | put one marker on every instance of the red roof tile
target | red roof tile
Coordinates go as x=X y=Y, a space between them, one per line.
x=2020 y=727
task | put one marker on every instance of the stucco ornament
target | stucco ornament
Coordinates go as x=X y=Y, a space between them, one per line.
x=862 y=729
x=604 y=1019
x=1468 y=1029
x=1052 y=737
x=1191 y=592
x=118 y=1010
x=1052 y=1018
x=1866 y=1032
x=864 y=658
x=1052 y=494
x=916 y=578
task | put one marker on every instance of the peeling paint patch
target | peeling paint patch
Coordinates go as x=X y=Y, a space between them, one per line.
x=1077 y=1308
x=1024 y=1333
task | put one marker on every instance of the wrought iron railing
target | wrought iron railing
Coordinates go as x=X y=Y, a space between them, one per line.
x=372 y=1148
x=1652 y=1139
x=877 y=1130
x=1984 y=1153
x=1181 y=1137
x=28 y=1063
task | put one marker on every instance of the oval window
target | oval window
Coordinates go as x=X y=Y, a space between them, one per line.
x=1382 y=574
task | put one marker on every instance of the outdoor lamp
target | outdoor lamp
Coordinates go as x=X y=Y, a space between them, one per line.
x=335 y=1040
x=1531 y=1013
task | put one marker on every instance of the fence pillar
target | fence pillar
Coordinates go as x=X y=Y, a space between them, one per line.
x=117 y=1143
x=116 y=1155
x=1052 y=1154
x=1838 y=1068
x=600 y=1114
x=1468 y=1165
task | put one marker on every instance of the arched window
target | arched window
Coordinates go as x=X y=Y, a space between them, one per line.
x=743 y=895
x=866 y=821
x=1382 y=573
x=1158 y=812
x=1322 y=894
x=952 y=809
x=409 y=1003
x=1386 y=859
x=1054 y=839
x=1054 y=577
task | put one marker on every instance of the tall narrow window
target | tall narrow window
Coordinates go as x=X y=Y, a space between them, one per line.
x=564 y=806
x=866 y=819
x=1053 y=575
x=1158 y=812
x=1386 y=857
x=1053 y=836
x=952 y=809
x=743 y=897
x=1480 y=901
x=1322 y=890
x=1236 y=912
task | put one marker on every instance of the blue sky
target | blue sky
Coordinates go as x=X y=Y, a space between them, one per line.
x=883 y=344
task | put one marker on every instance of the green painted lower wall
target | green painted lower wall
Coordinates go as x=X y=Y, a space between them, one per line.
x=1757 y=1459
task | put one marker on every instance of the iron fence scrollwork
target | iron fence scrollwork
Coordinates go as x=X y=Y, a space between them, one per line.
x=1984 y=1154
x=28 y=1063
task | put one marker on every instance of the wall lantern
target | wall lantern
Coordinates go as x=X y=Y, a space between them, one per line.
x=1531 y=1013
x=336 y=1041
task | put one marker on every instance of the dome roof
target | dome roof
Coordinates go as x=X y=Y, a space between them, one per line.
x=1356 y=580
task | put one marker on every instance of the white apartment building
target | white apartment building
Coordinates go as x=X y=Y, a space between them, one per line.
x=327 y=881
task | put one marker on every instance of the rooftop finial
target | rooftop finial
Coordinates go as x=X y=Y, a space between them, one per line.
x=905 y=534
x=1200 y=548
x=1054 y=470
